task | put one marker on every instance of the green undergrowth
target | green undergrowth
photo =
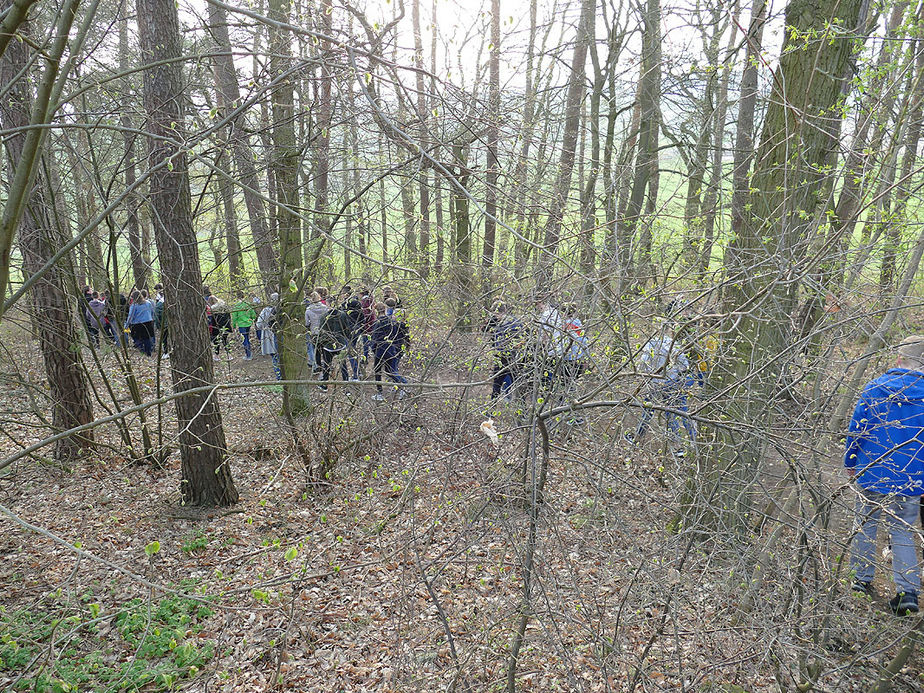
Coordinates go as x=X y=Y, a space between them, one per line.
x=56 y=647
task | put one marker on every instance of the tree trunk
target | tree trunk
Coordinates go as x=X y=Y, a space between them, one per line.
x=229 y=98
x=744 y=134
x=38 y=241
x=139 y=268
x=573 y=100
x=296 y=397
x=206 y=473
x=492 y=167
x=424 y=140
x=780 y=220
x=649 y=87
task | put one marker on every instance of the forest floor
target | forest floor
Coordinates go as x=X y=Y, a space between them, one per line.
x=404 y=570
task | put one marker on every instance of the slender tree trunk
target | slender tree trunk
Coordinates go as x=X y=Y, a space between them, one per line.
x=744 y=135
x=492 y=167
x=422 y=177
x=206 y=473
x=139 y=268
x=520 y=249
x=585 y=34
x=229 y=98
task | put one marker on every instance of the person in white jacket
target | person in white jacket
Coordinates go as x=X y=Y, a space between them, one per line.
x=668 y=368
x=266 y=322
x=314 y=314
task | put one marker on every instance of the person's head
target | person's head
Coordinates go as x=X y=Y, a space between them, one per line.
x=387 y=291
x=314 y=297
x=212 y=300
x=274 y=297
x=86 y=289
x=159 y=287
x=390 y=302
x=240 y=295
x=911 y=352
x=135 y=295
x=206 y=291
x=570 y=310
x=380 y=308
x=95 y=294
x=103 y=295
x=499 y=308
x=346 y=291
x=144 y=294
x=364 y=291
x=321 y=291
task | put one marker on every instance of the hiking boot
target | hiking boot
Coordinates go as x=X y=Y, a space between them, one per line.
x=378 y=397
x=862 y=587
x=904 y=604
x=680 y=452
x=629 y=438
x=402 y=394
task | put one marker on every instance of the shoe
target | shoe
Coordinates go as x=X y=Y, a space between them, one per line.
x=680 y=452
x=248 y=358
x=354 y=380
x=629 y=438
x=904 y=604
x=164 y=356
x=230 y=357
x=322 y=388
x=402 y=394
x=215 y=357
x=378 y=397
x=862 y=587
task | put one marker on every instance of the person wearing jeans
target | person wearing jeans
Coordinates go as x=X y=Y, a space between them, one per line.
x=243 y=317
x=884 y=456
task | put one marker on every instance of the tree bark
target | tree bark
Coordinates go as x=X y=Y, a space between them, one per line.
x=206 y=472
x=573 y=100
x=38 y=241
x=229 y=98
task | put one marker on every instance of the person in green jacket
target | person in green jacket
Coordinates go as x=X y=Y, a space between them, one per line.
x=242 y=317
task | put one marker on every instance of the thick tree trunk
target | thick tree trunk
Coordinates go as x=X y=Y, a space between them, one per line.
x=294 y=359
x=780 y=221
x=206 y=473
x=38 y=240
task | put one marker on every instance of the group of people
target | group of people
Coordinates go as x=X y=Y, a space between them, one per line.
x=136 y=315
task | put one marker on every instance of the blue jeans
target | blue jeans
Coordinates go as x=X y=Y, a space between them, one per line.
x=667 y=393
x=245 y=333
x=387 y=360
x=309 y=347
x=901 y=518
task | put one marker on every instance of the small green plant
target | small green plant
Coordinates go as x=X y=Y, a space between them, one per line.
x=195 y=541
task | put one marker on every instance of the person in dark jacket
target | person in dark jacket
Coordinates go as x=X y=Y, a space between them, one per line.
x=507 y=342
x=389 y=337
x=333 y=339
x=885 y=457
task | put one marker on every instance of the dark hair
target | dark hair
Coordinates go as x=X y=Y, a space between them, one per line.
x=158 y=287
x=390 y=302
x=135 y=295
x=240 y=295
x=207 y=291
x=95 y=294
x=144 y=294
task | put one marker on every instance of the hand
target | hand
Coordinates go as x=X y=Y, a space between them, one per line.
x=851 y=472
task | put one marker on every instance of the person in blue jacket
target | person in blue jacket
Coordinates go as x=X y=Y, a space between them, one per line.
x=885 y=457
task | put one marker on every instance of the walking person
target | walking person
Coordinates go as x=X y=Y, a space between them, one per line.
x=669 y=380
x=506 y=341
x=221 y=327
x=95 y=317
x=266 y=323
x=243 y=317
x=314 y=314
x=140 y=322
x=333 y=339
x=388 y=339
x=884 y=455
x=574 y=360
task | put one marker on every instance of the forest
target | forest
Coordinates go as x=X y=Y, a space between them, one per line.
x=495 y=345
